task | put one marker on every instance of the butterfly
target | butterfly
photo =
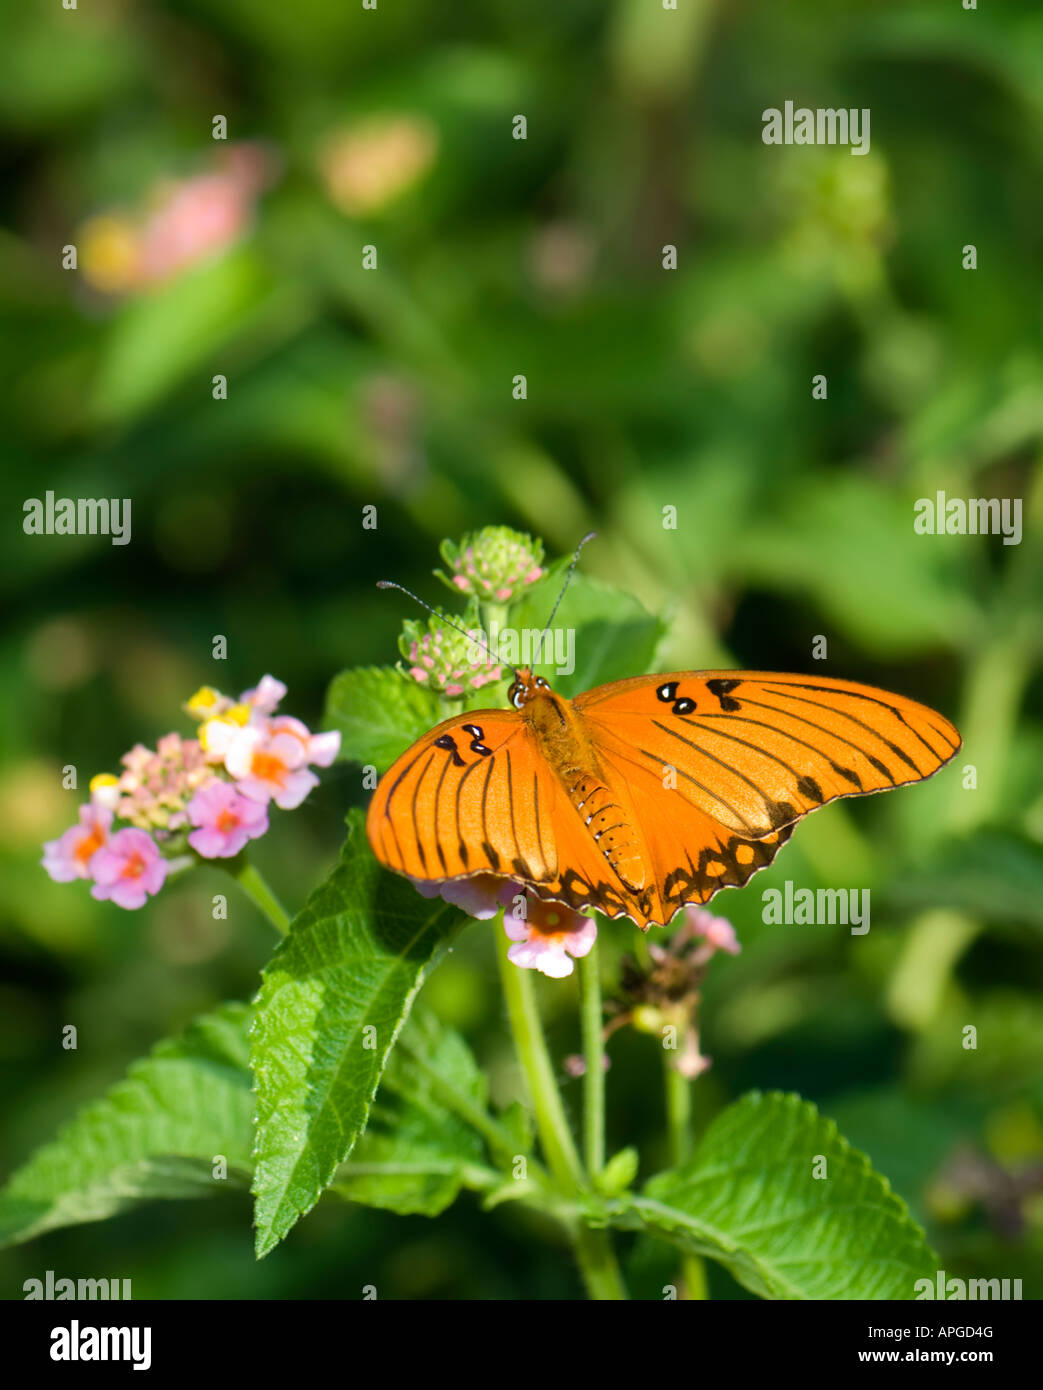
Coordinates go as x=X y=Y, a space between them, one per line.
x=643 y=795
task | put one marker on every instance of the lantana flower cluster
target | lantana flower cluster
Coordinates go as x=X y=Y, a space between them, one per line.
x=209 y=794
x=494 y=565
x=450 y=661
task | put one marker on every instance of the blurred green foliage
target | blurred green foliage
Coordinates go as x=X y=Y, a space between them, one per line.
x=647 y=388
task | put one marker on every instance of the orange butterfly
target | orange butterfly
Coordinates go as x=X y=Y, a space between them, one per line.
x=640 y=796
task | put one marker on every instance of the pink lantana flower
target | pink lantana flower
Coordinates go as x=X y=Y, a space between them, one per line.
x=319 y=749
x=716 y=932
x=225 y=821
x=265 y=697
x=269 y=766
x=69 y=856
x=478 y=895
x=548 y=936
x=128 y=869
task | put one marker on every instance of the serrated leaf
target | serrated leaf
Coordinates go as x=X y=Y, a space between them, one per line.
x=749 y=1199
x=415 y=1149
x=615 y=636
x=153 y=1134
x=378 y=713
x=333 y=998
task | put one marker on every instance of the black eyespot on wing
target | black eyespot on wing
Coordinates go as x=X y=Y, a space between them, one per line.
x=721 y=687
x=449 y=744
x=684 y=706
x=476 y=745
x=668 y=692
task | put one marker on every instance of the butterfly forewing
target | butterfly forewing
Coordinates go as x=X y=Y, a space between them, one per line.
x=757 y=750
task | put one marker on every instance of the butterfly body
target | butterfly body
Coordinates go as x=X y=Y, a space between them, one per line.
x=640 y=796
x=564 y=740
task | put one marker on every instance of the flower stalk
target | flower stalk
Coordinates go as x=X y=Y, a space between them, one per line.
x=592 y=1247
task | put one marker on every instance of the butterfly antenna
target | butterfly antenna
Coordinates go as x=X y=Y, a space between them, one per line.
x=575 y=561
x=442 y=618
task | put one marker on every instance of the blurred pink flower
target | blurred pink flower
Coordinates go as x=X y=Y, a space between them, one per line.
x=202 y=216
x=225 y=821
x=189 y=220
x=68 y=857
x=717 y=932
x=128 y=869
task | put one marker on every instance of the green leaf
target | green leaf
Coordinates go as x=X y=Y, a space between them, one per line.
x=517 y=1125
x=993 y=874
x=750 y=1199
x=163 y=336
x=378 y=712
x=333 y=998
x=614 y=635
x=415 y=1150
x=919 y=598
x=153 y=1134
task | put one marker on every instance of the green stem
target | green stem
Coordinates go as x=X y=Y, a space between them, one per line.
x=591 y=1018
x=530 y=1044
x=679 y=1129
x=597 y=1262
x=678 y=1110
x=593 y=1247
x=255 y=887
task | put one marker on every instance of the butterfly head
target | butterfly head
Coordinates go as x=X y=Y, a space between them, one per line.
x=527 y=687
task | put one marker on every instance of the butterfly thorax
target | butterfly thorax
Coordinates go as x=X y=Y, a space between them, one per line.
x=567 y=747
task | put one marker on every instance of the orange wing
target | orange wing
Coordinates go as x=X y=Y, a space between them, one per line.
x=720 y=765
x=755 y=750
x=475 y=796
x=707 y=771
